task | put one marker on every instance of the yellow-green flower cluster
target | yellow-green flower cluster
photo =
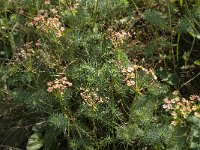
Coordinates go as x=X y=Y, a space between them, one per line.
x=48 y=24
x=181 y=108
x=25 y=52
x=130 y=74
x=92 y=98
x=118 y=37
x=58 y=85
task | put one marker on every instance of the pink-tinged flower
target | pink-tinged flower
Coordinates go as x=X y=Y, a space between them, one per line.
x=177 y=99
x=63 y=87
x=63 y=82
x=184 y=100
x=197 y=114
x=130 y=69
x=69 y=83
x=173 y=113
x=135 y=67
x=145 y=70
x=49 y=84
x=165 y=106
x=124 y=70
x=175 y=93
x=174 y=123
x=56 y=86
x=130 y=83
x=38 y=43
x=166 y=100
x=131 y=75
x=21 y=12
x=126 y=79
x=198 y=98
x=183 y=109
x=56 y=81
x=189 y=109
x=58 y=34
x=180 y=104
x=62 y=29
x=50 y=89
x=53 y=10
x=47 y=2
x=170 y=106
x=194 y=108
x=173 y=101
x=192 y=97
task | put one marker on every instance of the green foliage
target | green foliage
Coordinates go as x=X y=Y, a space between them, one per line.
x=59 y=121
x=34 y=142
x=185 y=25
x=144 y=124
x=179 y=139
x=77 y=69
x=194 y=133
x=154 y=18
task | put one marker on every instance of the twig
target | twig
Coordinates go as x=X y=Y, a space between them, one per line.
x=189 y=80
x=9 y=147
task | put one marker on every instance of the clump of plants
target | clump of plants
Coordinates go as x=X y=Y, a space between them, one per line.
x=99 y=74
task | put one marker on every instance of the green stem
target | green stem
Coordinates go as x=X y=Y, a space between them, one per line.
x=12 y=43
x=113 y=135
x=188 y=10
x=95 y=136
x=190 y=51
x=95 y=10
x=171 y=33
x=96 y=5
x=177 y=47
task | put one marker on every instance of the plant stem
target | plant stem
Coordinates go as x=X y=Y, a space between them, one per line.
x=177 y=47
x=96 y=5
x=190 y=51
x=94 y=132
x=171 y=33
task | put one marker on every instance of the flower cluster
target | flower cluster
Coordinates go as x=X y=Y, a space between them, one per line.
x=180 y=108
x=48 y=24
x=44 y=55
x=59 y=85
x=130 y=74
x=25 y=52
x=118 y=37
x=47 y=2
x=91 y=97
